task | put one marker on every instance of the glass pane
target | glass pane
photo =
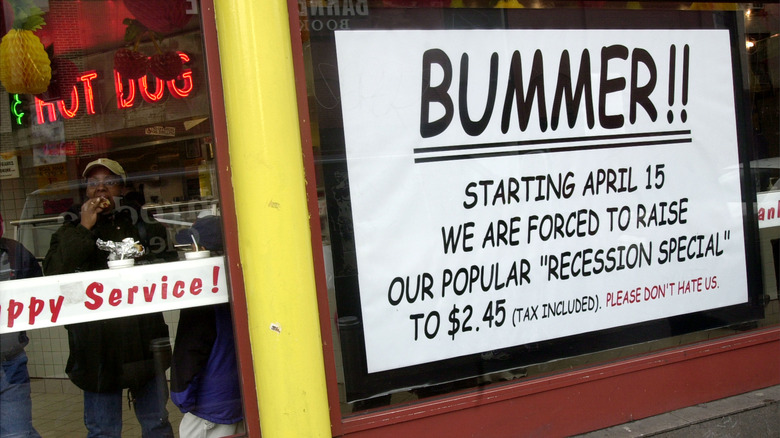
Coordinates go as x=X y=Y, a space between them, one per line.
x=509 y=189
x=110 y=198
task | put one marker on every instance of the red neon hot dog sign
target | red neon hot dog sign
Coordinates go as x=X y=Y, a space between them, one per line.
x=125 y=90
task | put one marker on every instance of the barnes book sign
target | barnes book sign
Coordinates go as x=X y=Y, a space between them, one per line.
x=517 y=186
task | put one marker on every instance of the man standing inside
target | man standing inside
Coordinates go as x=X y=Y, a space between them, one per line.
x=204 y=369
x=110 y=355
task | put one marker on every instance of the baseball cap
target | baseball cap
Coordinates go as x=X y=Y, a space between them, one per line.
x=109 y=164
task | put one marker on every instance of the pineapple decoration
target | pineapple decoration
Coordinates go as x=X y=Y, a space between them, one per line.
x=25 y=67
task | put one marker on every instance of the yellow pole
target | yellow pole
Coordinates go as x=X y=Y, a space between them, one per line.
x=273 y=225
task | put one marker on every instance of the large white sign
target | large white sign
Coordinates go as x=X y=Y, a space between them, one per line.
x=512 y=186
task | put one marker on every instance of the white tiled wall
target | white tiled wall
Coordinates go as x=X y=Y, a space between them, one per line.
x=47 y=352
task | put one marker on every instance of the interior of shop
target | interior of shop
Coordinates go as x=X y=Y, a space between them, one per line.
x=158 y=130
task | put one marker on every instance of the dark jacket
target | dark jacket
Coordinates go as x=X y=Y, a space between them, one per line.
x=111 y=354
x=16 y=262
x=204 y=371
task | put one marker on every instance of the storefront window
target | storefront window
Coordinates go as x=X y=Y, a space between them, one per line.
x=510 y=189
x=108 y=177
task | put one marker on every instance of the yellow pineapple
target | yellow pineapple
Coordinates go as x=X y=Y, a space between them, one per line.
x=25 y=67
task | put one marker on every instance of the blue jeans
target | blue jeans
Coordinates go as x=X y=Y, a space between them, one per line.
x=15 y=401
x=103 y=412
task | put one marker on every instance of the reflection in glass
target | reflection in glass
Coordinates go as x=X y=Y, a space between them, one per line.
x=127 y=91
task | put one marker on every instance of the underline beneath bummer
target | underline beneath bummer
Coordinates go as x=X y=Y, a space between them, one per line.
x=524 y=151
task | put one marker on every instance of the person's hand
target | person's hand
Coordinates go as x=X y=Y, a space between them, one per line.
x=90 y=211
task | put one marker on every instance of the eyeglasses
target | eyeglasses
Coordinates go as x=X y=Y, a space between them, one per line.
x=108 y=182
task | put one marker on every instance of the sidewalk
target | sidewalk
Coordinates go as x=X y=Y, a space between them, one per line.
x=755 y=414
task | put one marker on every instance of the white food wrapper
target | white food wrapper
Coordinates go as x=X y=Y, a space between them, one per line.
x=126 y=249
